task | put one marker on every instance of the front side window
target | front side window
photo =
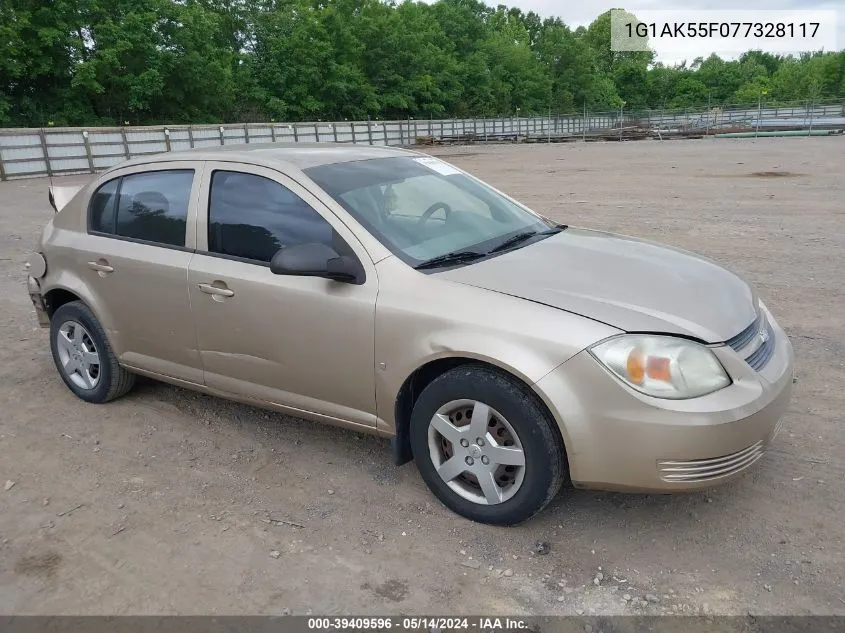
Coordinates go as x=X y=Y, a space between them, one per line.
x=150 y=206
x=252 y=217
x=423 y=209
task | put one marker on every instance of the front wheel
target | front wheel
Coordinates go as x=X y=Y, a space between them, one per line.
x=485 y=446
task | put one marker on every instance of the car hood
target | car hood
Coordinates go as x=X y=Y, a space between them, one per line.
x=631 y=284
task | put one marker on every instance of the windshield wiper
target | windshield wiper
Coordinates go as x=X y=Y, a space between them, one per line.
x=521 y=237
x=448 y=259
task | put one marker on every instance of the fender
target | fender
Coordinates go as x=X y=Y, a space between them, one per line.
x=71 y=283
x=524 y=363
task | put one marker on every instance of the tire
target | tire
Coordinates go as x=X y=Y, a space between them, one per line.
x=514 y=419
x=76 y=340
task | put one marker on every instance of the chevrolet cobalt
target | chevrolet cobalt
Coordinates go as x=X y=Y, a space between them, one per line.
x=390 y=292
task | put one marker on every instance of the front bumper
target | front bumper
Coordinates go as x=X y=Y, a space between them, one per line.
x=619 y=439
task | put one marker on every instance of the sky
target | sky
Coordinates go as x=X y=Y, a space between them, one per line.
x=576 y=13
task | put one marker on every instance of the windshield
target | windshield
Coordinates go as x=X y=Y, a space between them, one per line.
x=422 y=208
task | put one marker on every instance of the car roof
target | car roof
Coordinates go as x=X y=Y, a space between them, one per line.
x=300 y=155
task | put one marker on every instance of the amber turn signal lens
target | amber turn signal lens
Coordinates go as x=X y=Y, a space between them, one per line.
x=636 y=367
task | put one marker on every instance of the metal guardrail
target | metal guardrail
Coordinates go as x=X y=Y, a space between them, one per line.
x=30 y=152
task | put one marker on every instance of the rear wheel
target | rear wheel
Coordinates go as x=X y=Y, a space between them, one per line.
x=84 y=357
x=485 y=446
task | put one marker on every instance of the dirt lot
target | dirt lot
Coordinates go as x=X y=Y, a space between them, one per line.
x=154 y=503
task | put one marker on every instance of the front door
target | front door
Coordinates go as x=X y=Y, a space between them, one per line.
x=302 y=342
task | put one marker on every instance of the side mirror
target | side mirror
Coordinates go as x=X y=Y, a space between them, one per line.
x=316 y=260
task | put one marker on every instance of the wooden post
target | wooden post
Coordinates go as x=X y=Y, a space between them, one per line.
x=44 y=151
x=295 y=134
x=316 y=133
x=369 y=130
x=352 y=127
x=246 y=133
x=272 y=133
x=621 y=115
x=384 y=132
x=812 y=112
x=2 y=169
x=88 y=151
x=584 y=124
x=334 y=131
x=126 y=142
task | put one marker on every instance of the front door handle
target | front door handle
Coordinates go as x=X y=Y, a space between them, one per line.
x=220 y=291
x=101 y=266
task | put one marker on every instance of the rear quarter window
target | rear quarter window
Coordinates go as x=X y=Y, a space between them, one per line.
x=101 y=210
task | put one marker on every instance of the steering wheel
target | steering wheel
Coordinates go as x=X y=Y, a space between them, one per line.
x=426 y=216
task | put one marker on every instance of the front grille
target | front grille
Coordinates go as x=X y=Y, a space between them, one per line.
x=702 y=470
x=745 y=337
x=758 y=359
x=756 y=343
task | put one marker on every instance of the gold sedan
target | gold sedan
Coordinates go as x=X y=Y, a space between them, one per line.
x=390 y=292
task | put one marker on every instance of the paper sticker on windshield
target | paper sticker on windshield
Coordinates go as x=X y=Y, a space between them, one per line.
x=438 y=165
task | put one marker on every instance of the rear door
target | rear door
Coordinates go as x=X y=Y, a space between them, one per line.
x=134 y=259
x=302 y=342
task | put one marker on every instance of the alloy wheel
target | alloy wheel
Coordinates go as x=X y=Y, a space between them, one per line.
x=78 y=355
x=476 y=452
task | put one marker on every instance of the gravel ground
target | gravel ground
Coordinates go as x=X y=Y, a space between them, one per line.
x=160 y=502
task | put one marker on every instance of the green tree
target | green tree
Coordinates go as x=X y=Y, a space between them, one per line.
x=408 y=59
x=574 y=69
x=519 y=80
x=40 y=46
x=90 y=62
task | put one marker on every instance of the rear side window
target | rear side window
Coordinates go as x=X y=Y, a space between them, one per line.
x=151 y=206
x=252 y=217
x=154 y=206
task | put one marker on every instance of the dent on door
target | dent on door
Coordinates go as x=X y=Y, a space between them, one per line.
x=300 y=342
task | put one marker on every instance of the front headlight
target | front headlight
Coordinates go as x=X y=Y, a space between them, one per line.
x=662 y=366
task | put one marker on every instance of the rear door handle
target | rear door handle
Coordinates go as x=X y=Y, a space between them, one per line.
x=211 y=289
x=101 y=266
